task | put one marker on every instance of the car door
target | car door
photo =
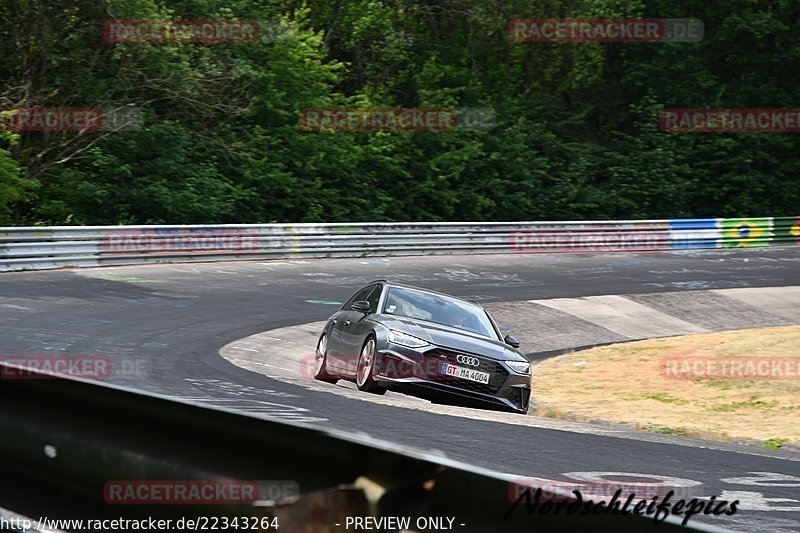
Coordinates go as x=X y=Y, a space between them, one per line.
x=355 y=329
x=361 y=323
x=339 y=354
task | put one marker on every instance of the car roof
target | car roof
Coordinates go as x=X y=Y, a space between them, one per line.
x=429 y=291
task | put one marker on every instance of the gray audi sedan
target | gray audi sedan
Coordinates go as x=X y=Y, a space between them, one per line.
x=389 y=336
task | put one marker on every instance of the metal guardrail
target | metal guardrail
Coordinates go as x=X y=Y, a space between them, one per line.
x=29 y=248
x=64 y=439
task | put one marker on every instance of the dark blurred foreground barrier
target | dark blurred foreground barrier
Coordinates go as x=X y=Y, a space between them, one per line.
x=23 y=248
x=63 y=440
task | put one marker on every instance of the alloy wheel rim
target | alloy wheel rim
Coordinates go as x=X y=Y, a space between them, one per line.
x=365 y=362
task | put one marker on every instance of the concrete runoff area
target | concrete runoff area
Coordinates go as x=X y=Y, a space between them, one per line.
x=568 y=323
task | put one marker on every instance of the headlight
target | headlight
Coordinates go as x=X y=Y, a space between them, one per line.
x=520 y=367
x=404 y=339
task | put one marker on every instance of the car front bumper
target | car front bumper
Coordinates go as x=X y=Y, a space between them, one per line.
x=419 y=372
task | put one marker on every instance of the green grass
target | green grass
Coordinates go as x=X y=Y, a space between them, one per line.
x=668 y=431
x=725 y=384
x=628 y=349
x=774 y=444
x=749 y=404
x=658 y=397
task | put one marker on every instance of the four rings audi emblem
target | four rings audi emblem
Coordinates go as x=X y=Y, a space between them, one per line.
x=467 y=360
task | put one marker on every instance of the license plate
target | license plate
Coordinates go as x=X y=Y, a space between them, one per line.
x=465 y=373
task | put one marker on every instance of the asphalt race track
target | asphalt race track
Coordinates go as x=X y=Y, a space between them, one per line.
x=167 y=323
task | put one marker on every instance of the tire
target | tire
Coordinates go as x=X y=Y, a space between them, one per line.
x=364 y=368
x=320 y=361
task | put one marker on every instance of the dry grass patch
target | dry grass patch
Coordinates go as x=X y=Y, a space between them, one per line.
x=626 y=383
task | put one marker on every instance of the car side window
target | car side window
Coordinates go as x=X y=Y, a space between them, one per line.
x=373 y=299
x=359 y=296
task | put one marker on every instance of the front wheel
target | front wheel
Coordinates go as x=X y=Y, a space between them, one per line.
x=320 y=360
x=366 y=364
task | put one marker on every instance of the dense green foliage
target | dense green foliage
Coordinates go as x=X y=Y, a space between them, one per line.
x=577 y=134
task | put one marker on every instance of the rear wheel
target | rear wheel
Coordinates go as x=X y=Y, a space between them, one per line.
x=366 y=364
x=320 y=360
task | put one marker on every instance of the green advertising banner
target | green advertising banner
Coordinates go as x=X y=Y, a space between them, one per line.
x=787 y=230
x=746 y=232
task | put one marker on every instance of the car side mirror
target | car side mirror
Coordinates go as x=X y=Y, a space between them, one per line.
x=360 y=306
x=511 y=341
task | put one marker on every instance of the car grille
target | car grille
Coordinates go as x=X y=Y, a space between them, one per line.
x=497 y=374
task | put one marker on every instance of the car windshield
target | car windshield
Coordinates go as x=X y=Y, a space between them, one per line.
x=439 y=310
